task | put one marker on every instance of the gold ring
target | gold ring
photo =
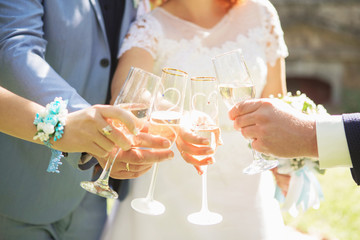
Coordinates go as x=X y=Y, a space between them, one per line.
x=107 y=130
x=128 y=167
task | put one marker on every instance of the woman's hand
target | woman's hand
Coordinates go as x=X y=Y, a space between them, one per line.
x=190 y=145
x=84 y=131
x=282 y=180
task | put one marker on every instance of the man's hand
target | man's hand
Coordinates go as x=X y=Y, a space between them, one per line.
x=275 y=127
x=137 y=160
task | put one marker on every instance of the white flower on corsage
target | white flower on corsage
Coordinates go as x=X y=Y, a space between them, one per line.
x=304 y=188
x=50 y=124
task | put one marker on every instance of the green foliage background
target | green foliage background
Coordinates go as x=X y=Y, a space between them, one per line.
x=339 y=214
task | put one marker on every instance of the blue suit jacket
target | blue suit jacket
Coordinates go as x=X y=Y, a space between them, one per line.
x=352 y=131
x=49 y=49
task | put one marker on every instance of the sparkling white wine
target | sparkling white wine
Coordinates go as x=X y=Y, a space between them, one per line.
x=209 y=132
x=165 y=124
x=234 y=93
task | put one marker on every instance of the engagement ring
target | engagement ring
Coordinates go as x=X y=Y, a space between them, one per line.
x=107 y=130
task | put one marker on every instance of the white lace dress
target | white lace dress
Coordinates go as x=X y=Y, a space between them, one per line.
x=246 y=202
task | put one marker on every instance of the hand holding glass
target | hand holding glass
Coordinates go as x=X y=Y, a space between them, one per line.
x=164 y=121
x=204 y=122
x=235 y=85
x=136 y=96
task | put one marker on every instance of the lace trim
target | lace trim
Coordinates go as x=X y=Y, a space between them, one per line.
x=275 y=43
x=144 y=33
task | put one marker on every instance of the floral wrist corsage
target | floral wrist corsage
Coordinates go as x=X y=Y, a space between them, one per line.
x=50 y=123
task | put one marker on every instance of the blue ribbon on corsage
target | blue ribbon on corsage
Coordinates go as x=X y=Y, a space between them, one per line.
x=304 y=192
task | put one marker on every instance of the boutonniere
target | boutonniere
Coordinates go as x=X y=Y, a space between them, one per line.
x=136 y=3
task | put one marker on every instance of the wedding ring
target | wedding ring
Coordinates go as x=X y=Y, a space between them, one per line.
x=107 y=130
x=128 y=167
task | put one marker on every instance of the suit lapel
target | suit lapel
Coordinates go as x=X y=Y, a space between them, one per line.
x=96 y=7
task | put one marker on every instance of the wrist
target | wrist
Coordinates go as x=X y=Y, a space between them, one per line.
x=50 y=123
x=312 y=148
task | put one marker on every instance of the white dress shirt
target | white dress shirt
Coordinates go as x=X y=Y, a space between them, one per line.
x=332 y=144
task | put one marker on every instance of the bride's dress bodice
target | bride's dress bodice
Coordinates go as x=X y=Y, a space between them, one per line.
x=246 y=202
x=177 y=43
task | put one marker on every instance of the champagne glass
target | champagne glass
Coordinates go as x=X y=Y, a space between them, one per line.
x=164 y=121
x=137 y=97
x=235 y=85
x=204 y=122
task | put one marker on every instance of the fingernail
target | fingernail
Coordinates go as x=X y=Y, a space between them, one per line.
x=209 y=151
x=210 y=162
x=166 y=143
x=171 y=155
x=205 y=141
x=200 y=172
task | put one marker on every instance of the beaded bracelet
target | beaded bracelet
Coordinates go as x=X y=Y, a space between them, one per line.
x=50 y=124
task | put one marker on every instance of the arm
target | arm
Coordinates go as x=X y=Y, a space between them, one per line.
x=352 y=130
x=140 y=160
x=23 y=67
x=17 y=116
x=280 y=130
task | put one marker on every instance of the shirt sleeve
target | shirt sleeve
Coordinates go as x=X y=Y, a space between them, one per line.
x=274 y=35
x=332 y=145
x=143 y=33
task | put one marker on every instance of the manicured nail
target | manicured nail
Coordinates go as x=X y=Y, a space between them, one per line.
x=205 y=141
x=209 y=151
x=166 y=143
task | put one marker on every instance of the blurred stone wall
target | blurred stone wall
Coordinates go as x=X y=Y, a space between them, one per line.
x=323 y=38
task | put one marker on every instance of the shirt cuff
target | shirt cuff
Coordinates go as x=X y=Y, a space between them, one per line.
x=332 y=145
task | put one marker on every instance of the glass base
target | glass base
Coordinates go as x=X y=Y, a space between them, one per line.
x=205 y=218
x=99 y=189
x=146 y=206
x=259 y=166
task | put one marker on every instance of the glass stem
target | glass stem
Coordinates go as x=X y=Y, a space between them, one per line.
x=104 y=177
x=204 y=201
x=150 y=195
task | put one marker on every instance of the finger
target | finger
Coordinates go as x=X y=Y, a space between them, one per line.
x=114 y=132
x=244 y=121
x=121 y=138
x=192 y=149
x=218 y=138
x=244 y=107
x=199 y=170
x=128 y=167
x=145 y=156
x=128 y=174
x=103 y=142
x=121 y=115
x=249 y=132
x=194 y=161
x=190 y=137
x=150 y=141
x=96 y=150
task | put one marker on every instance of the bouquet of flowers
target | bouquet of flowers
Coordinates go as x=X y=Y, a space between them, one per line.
x=304 y=189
